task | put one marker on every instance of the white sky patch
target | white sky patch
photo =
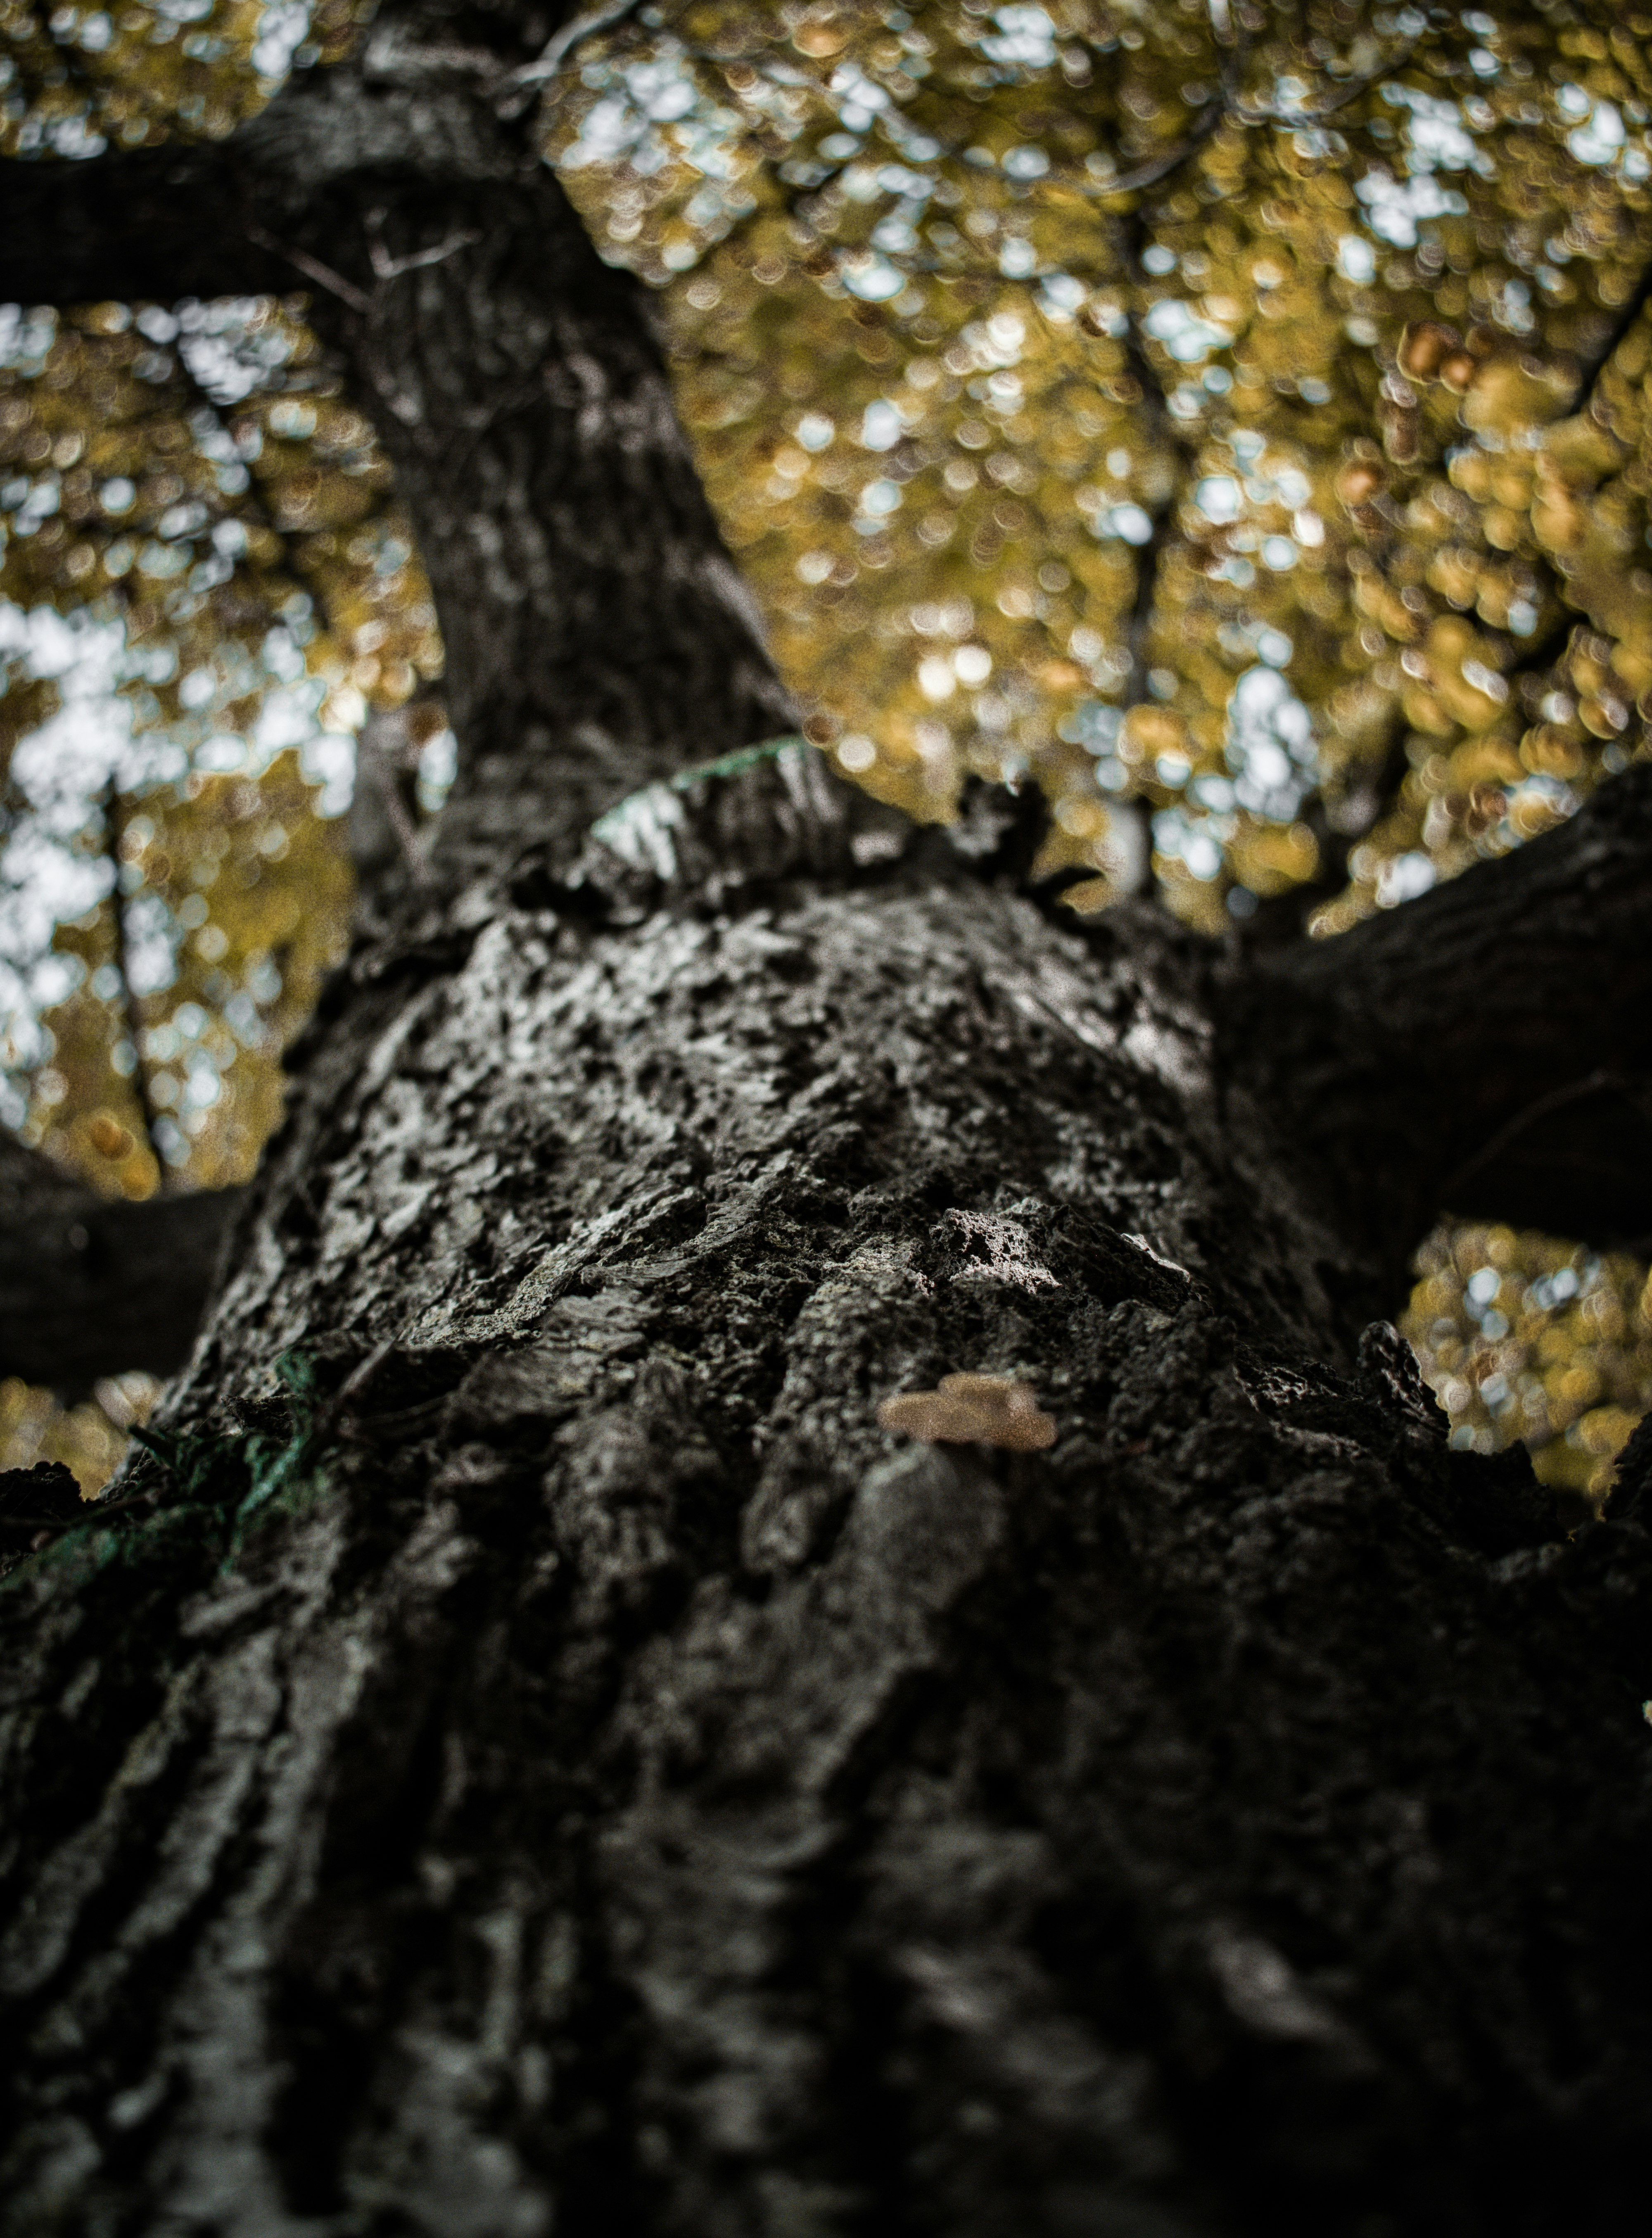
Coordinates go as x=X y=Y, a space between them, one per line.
x=1402 y=877
x=1438 y=138
x=1024 y=35
x=1131 y=521
x=1394 y=208
x=1194 y=841
x=1060 y=295
x=894 y=235
x=859 y=97
x=1598 y=136
x=1271 y=748
x=59 y=771
x=996 y=341
x=873 y=279
x=643 y=98
x=1187 y=337
x=328 y=758
x=281 y=34
x=229 y=348
x=878 y=500
x=1218 y=498
x=25 y=336
x=1436 y=134
x=438 y=767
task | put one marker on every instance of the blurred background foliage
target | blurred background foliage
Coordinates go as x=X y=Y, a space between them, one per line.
x=1234 y=418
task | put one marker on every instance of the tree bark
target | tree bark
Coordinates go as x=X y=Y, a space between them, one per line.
x=571 y=1764
x=536 y=1753
x=1488 y=1048
x=90 y=1288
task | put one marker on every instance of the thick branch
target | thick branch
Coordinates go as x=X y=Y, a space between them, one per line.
x=1485 y=1049
x=88 y=1287
x=597 y=634
x=522 y=83
x=155 y=224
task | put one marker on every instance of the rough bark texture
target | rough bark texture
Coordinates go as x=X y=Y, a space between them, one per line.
x=533 y=1753
x=587 y=1771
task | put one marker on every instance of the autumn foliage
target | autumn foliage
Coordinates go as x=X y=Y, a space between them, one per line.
x=1237 y=420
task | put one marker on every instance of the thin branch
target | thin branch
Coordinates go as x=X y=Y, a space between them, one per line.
x=114 y=824
x=1229 y=104
x=1595 y=365
x=516 y=90
x=337 y=1407
x=1160 y=167
x=1409 y=1049
x=92 y=1286
x=1271 y=113
x=387 y=268
x=380 y=768
x=1525 y=1121
x=367 y=307
x=1151 y=553
x=313 y=269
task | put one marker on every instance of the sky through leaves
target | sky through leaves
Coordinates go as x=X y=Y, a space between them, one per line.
x=1233 y=419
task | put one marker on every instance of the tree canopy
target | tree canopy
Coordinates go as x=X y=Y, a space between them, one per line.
x=1234 y=418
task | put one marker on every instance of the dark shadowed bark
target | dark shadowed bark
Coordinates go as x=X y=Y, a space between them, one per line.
x=535 y=1753
x=88 y=1287
x=1487 y=1049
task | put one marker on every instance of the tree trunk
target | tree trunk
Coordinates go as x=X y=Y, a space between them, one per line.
x=534 y=1753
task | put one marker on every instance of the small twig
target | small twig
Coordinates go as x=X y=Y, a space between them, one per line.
x=366 y=307
x=359 y=1376
x=115 y=823
x=1229 y=104
x=398 y=1418
x=387 y=267
x=516 y=90
x=1557 y=1100
x=1271 y=113
x=381 y=766
x=1600 y=358
x=313 y=269
x=1160 y=167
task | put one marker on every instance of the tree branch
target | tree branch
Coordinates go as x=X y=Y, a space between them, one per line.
x=1485 y=1049
x=212 y=219
x=515 y=382
x=521 y=85
x=92 y=1288
x=153 y=225
x=131 y=1013
x=1595 y=364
